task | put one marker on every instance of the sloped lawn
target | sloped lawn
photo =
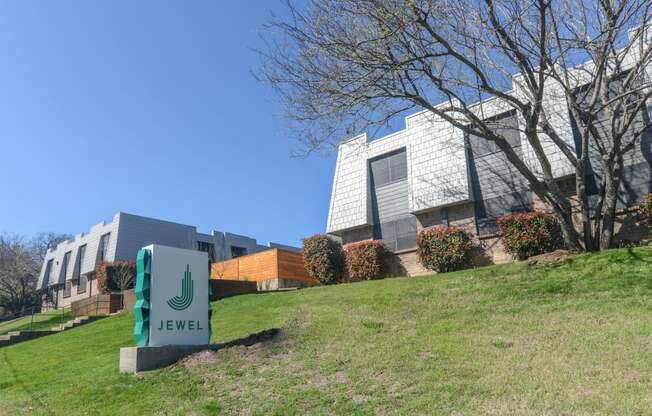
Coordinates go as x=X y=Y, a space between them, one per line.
x=568 y=339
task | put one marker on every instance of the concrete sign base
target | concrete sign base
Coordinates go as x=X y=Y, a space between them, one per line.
x=135 y=359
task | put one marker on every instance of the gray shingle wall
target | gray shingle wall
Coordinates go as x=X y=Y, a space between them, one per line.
x=92 y=242
x=436 y=170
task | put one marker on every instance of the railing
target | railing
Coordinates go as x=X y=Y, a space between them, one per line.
x=99 y=305
x=35 y=320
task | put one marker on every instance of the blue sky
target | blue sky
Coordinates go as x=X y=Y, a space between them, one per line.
x=147 y=107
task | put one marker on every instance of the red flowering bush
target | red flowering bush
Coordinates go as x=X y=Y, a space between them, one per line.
x=365 y=260
x=444 y=249
x=115 y=276
x=323 y=258
x=531 y=233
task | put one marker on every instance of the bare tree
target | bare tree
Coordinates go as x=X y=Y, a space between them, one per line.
x=42 y=242
x=18 y=275
x=123 y=275
x=344 y=66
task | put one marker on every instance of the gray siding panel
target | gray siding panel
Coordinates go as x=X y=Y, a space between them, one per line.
x=497 y=187
x=136 y=232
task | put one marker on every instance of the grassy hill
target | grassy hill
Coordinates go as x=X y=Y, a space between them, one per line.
x=574 y=338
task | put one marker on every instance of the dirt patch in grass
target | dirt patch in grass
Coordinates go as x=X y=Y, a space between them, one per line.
x=556 y=256
x=200 y=358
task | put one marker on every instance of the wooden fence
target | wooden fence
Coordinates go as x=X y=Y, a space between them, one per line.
x=271 y=264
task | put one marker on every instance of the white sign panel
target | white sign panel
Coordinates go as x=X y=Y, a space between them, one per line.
x=178 y=297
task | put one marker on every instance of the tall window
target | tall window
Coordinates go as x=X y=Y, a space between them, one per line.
x=104 y=246
x=81 y=253
x=67 y=288
x=64 y=266
x=47 y=274
x=393 y=222
x=238 y=251
x=443 y=216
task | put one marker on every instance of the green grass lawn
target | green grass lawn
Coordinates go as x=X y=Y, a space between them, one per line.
x=40 y=321
x=567 y=339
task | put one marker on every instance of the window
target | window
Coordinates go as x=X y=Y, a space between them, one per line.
x=207 y=248
x=399 y=234
x=443 y=216
x=64 y=266
x=505 y=125
x=46 y=275
x=238 y=251
x=81 y=284
x=104 y=246
x=81 y=253
x=389 y=168
x=67 y=288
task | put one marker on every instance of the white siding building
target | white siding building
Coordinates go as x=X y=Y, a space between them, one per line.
x=431 y=173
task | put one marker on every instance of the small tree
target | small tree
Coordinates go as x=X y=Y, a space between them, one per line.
x=115 y=276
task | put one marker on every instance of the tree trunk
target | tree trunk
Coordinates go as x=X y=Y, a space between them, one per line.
x=565 y=217
x=611 y=185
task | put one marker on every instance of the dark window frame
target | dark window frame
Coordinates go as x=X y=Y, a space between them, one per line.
x=443 y=216
x=207 y=247
x=389 y=158
x=77 y=274
x=394 y=237
x=65 y=263
x=82 y=278
x=239 y=251
x=105 y=239
x=47 y=274
x=67 y=289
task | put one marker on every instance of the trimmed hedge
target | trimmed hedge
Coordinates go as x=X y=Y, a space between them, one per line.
x=323 y=258
x=111 y=275
x=529 y=234
x=365 y=260
x=444 y=249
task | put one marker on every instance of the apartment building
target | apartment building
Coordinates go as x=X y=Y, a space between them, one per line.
x=431 y=173
x=68 y=269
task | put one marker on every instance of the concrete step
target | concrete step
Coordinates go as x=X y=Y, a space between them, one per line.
x=17 y=336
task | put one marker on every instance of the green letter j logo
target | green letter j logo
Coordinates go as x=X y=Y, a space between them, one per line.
x=182 y=302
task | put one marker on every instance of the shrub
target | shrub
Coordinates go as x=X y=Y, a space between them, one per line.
x=323 y=258
x=444 y=249
x=645 y=210
x=115 y=276
x=365 y=260
x=530 y=233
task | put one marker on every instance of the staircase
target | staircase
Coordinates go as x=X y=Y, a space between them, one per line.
x=74 y=323
x=15 y=337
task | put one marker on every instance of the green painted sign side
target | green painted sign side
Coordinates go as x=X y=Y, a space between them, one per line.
x=142 y=306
